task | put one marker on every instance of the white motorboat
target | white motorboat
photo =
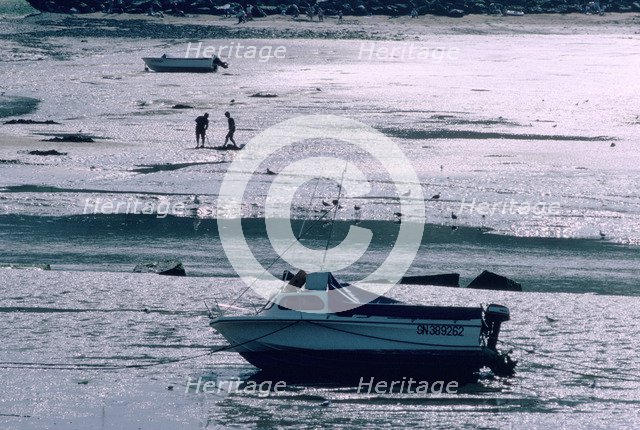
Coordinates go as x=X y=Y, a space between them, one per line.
x=184 y=65
x=300 y=331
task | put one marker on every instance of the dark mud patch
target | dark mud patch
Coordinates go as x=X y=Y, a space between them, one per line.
x=30 y=122
x=46 y=152
x=485 y=135
x=31 y=188
x=153 y=168
x=73 y=138
x=144 y=29
x=456 y=120
x=264 y=95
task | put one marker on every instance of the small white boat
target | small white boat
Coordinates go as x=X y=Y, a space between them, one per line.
x=184 y=65
x=379 y=337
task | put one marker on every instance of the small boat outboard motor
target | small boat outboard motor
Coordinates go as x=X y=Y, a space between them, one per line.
x=494 y=316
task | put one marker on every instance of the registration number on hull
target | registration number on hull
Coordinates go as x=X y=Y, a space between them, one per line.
x=440 y=330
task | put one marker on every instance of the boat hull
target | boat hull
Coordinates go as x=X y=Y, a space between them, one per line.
x=341 y=365
x=343 y=348
x=181 y=65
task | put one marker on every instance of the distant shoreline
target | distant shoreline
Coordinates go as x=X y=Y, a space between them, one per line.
x=283 y=27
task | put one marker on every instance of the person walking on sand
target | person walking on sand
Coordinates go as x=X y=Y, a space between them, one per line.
x=242 y=16
x=202 y=124
x=232 y=129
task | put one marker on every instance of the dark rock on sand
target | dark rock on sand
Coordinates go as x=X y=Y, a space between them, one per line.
x=264 y=95
x=166 y=267
x=442 y=280
x=28 y=266
x=46 y=153
x=455 y=13
x=181 y=106
x=30 y=122
x=491 y=281
x=75 y=138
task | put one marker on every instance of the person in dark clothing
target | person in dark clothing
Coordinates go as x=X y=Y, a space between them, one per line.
x=202 y=124
x=232 y=129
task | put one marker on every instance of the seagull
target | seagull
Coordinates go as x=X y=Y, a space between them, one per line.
x=454 y=227
x=325 y=403
x=357 y=207
x=407 y=194
x=554 y=125
x=326 y=203
x=398 y=214
x=454 y=216
x=435 y=196
x=602 y=235
x=612 y=144
x=334 y=201
x=441 y=167
x=196 y=200
x=270 y=172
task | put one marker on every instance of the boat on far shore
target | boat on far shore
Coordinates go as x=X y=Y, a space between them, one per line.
x=184 y=65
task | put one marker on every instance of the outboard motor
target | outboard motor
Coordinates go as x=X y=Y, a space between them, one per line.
x=494 y=316
x=500 y=362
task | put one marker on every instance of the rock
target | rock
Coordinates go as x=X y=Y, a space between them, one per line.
x=28 y=266
x=75 y=138
x=46 y=153
x=455 y=13
x=491 y=281
x=360 y=10
x=166 y=267
x=443 y=280
x=264 y=95
x=181 y=106
x=30 y=122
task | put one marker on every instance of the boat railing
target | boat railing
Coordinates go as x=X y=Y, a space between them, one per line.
x=222 y=309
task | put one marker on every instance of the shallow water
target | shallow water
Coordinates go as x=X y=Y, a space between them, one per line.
x=582 y=371
x=487 y=126
x=510 y=125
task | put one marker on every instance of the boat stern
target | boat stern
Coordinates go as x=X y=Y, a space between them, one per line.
x=499 y=362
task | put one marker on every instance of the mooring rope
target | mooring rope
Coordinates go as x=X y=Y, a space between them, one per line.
x=103 y=366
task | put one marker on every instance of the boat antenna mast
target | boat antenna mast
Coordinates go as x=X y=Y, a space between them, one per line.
x=335 y=213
